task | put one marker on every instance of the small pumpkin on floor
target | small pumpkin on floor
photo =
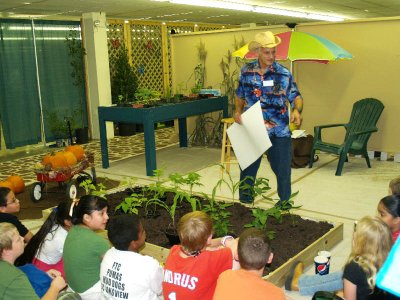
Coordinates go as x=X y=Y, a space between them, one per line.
x=18 y=183
x=15 y=183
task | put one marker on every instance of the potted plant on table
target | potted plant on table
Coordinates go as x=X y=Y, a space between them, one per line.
x=123 y=87
x=147 y=97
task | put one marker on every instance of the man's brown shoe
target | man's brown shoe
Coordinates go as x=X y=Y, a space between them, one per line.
x=292 y=282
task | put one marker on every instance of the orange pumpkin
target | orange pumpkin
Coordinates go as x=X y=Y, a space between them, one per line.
x=77 y=150
x=17 y=182
x=7 y=184
x=70 y=157
x=59 y=161
x=47 y=160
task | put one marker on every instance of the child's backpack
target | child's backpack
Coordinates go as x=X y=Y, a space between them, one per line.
x=301 y=151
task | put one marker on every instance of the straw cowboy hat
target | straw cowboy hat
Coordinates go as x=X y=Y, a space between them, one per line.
x=264 y=40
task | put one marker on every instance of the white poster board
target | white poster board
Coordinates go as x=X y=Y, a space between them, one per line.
x=250 y=139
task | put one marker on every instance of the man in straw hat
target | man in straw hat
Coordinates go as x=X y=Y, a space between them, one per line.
x=272 y=84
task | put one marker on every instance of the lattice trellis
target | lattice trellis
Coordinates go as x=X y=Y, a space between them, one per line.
x=144 y=41
x=209 y=28
x=147 y=55
x=115 y=39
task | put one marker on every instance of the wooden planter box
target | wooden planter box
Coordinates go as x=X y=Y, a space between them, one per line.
x=278 y=276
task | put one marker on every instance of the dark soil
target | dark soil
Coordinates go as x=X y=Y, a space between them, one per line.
x=291 y=236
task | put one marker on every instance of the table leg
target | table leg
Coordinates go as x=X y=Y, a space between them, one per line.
x=225 y=108
x=150 y=148
x=183 y=140
x=103 y=143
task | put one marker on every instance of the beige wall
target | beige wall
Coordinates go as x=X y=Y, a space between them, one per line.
x=329 y=91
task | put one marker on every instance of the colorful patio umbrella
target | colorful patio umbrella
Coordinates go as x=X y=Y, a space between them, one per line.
x=301 y=46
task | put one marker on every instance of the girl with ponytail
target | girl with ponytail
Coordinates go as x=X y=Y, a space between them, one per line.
x=45 y=249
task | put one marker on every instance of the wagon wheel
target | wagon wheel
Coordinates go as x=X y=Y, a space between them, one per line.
x=36 y=191
x=72 y=191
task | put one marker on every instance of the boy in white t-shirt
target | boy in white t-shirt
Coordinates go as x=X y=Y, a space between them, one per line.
x=125 y=273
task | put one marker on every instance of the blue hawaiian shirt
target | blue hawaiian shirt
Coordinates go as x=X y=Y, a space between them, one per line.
x=273 y=89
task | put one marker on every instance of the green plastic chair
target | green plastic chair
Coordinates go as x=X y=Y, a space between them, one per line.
x=362 y=124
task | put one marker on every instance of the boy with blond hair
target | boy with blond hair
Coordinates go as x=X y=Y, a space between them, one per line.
x=254 y=253
x=192 y=268
x=14 y=284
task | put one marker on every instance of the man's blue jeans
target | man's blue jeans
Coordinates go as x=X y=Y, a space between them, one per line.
x=280 y=159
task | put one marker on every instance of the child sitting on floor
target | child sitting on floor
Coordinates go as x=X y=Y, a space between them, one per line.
x=9 y=205
x=14 y=284
x=371 y=244
x=45 y=249
x=83 y=248
x=191 y=270
x=125 y=273
x=254 y=253
x=394 y=186
x=389 y=212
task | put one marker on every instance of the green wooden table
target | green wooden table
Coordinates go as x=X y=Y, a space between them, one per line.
x=149 y=116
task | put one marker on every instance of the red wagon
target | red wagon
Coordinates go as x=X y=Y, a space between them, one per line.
x=64 y=177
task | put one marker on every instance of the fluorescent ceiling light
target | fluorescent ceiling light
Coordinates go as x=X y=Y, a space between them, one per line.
x=257 y=9
x=280 y=12
x=215 y=4
x=46 y=28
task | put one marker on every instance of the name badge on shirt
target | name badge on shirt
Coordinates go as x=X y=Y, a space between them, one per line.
x=268 y=83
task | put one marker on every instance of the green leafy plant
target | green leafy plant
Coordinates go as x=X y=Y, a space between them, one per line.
x=191 y=180
x=171 y=209
x=259 y=188
x=123 y=79
x=176 y=179
x=56 y=123
x=217 y=210
x=132 y=203
x=93 y=189
x=260 y=217
x=287 y=206
x=232 y=185
x=147 y=96
x=76 y=54
x=180 y=89
x=230 y=68
x=156 y=190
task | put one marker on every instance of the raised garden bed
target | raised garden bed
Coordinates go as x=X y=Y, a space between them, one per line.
x=295 y=239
